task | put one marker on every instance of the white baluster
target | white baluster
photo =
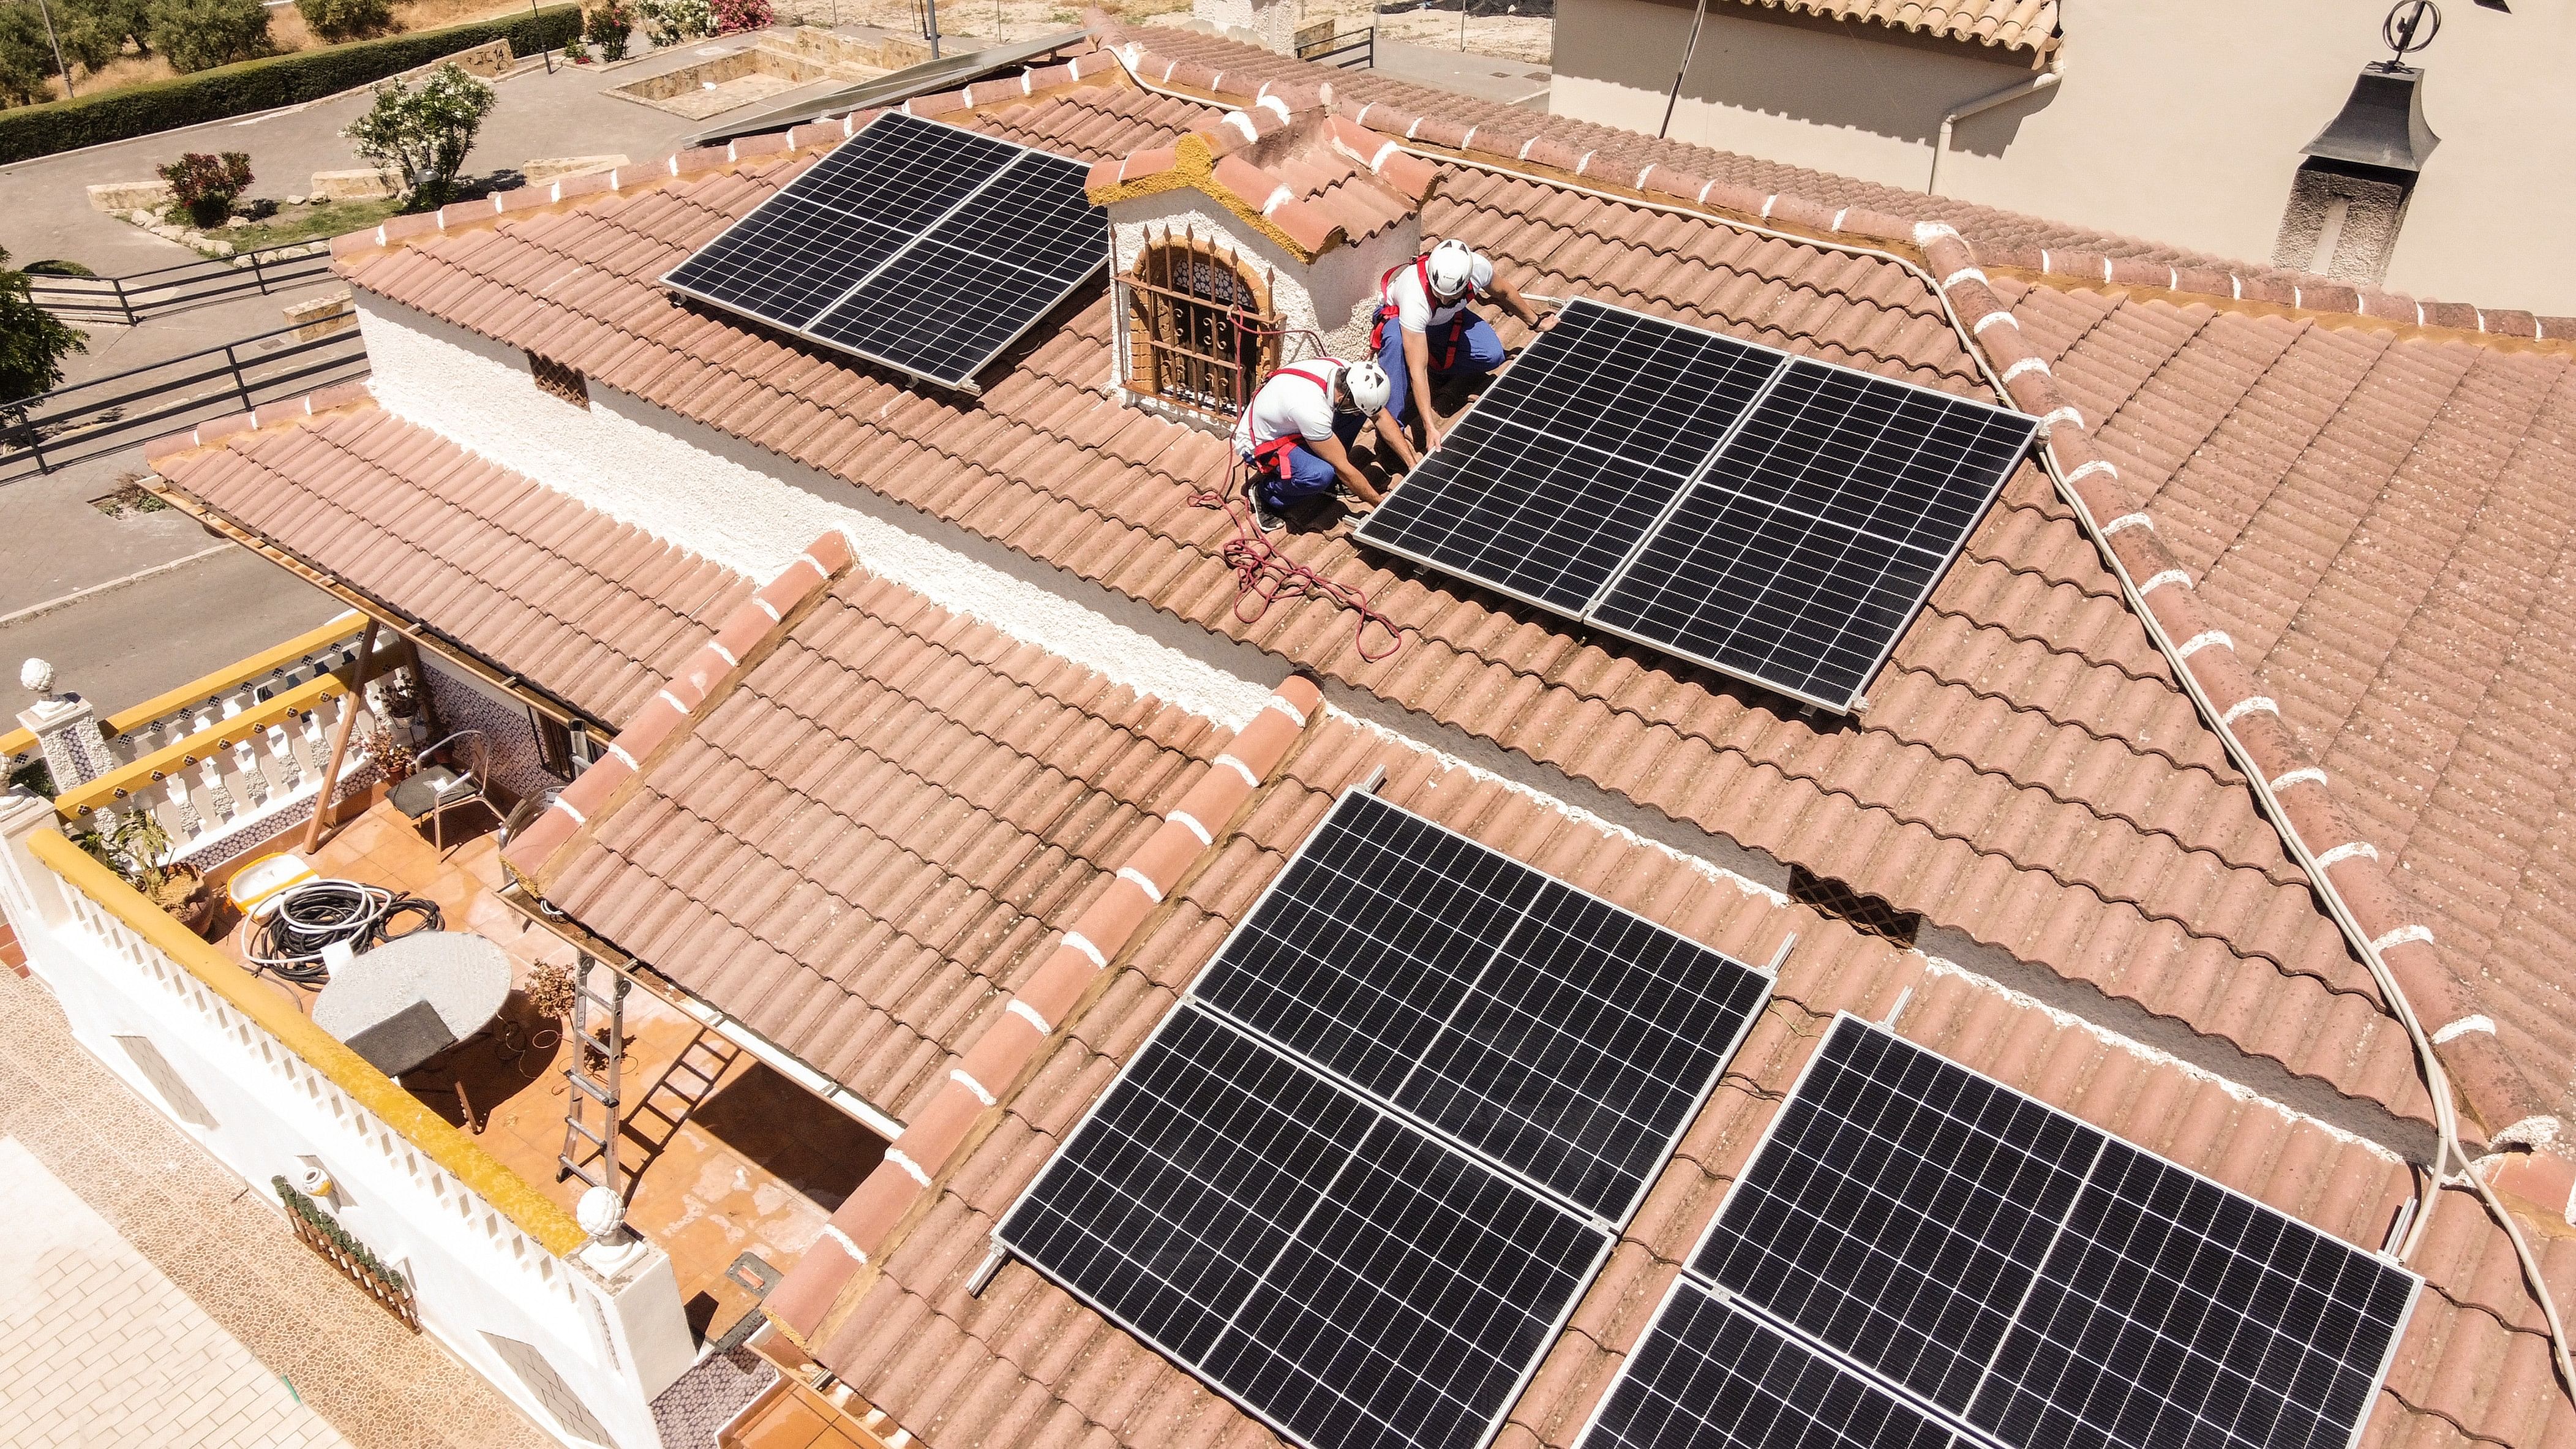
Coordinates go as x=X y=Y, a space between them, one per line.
x=254 y=782
x=219 y=799
x=281 y=750
x=183 y=808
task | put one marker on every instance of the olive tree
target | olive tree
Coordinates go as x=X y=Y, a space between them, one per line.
x=425 y=130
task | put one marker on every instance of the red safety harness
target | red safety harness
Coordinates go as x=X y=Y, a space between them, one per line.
x=1274 y=454
x=1387 y=311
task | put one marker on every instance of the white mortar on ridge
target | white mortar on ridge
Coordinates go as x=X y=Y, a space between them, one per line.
x=732 y=501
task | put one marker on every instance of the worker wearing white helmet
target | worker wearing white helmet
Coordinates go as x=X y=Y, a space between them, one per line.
x=1427 y=329
x=1296 y=434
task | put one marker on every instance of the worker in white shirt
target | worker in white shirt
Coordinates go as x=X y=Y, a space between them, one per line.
x=1297 y=433
x=1427 y=331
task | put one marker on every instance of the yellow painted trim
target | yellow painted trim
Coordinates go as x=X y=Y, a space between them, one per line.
x=169 y=759
x=231 y=677
x=1194 y=169
x=496 y=1184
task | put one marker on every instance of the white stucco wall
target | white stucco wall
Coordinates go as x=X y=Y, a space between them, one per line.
x=2177 y=120
x=1334 y=297
x=743 y=506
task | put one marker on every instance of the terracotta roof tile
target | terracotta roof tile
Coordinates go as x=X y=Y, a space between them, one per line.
x=587 y=609
x=2029 y=775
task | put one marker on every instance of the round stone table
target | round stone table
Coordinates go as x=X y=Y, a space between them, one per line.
x=414 y=997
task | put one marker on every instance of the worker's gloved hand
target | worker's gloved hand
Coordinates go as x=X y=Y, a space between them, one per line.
x=1546 y=321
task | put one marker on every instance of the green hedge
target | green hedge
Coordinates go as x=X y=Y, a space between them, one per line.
x=259 y=85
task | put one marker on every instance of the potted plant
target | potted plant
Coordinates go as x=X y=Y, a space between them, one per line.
x=133 y=845
x=391 y=753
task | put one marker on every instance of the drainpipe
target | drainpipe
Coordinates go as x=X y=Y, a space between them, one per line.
x=2045 y=80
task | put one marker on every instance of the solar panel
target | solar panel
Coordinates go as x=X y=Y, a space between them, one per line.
x=1710 y=1375
x=2020 y=1278
x=1776 y=518
x=914 y=244
x=1548 y=484
x=1565 y=1038
x=1360 y=1176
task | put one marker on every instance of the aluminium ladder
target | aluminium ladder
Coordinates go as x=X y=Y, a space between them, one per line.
x=591 y=1153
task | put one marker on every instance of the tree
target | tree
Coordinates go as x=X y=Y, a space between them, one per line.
x=116 y=22
x=26 y=56
x=33 y=342
x=202 y=34
x=424 y=131
x=337 y=20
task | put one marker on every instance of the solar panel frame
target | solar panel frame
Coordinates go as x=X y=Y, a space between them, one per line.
x=1649 y=1169
x=1048 y=291
x=1589 y=615
x=1610 y=1232
x=1970 y=1431
x=1504 y=517
x=1906 y=606
x=1188 y=1008
x=1689 y=1294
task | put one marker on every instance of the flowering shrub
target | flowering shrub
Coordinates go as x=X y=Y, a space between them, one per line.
x=669 y=22
x=205 y=186
x=734 y=15
x=610 y=24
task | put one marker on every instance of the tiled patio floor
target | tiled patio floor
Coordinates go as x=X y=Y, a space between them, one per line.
x=752 y=1163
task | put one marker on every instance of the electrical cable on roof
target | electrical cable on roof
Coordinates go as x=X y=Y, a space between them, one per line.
x=2436 y=1081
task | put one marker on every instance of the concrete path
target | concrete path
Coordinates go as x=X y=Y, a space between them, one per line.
x=170 y=1243
x=123 y=1357
x=1486 y=77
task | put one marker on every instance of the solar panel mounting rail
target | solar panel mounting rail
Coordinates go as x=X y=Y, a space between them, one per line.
x=1770 y=516
x=1504 y=1308
x=914 y=244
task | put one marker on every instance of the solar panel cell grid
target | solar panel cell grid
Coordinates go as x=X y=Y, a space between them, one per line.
x=1776 y=517
x=1901 y=1207
x=1362 y=1174
x=912 y=243
x=1584 y=1047
x=1818 y=530
x=1708 y=1375
x=1414 y=1299
x=2175 y=1312
x=1182 y=1191
x=1567 y=462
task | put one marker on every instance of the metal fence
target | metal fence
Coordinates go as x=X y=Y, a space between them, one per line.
x=130 y=299
x=1351 y=50
x=91 y=419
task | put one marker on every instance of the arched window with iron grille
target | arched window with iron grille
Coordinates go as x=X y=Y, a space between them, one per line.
x=1200 y=330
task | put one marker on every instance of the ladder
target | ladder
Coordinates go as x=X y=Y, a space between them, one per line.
x=590 y=1152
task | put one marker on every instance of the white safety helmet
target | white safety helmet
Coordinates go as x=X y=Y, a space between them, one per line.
x=1453 y=269
x=1368 y=385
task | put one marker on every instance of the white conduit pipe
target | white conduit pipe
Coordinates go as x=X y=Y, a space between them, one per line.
x=2437 y=1082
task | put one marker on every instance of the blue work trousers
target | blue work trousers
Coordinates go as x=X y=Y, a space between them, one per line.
x=1479 y=352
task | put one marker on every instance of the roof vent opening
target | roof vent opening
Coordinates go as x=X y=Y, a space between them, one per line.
x=1863 y=912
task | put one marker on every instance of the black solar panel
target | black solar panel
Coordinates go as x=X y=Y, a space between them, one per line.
x=1360 y=1176
x=1901 y=1207
x=1352 y=1281
x=2173 y=1311
x=1819 y=530
x=1561 y=1036
x=913 y=243
x=2021 y=1278
x=1709 y=1375
x=1774 y=517
x=1550 y=481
